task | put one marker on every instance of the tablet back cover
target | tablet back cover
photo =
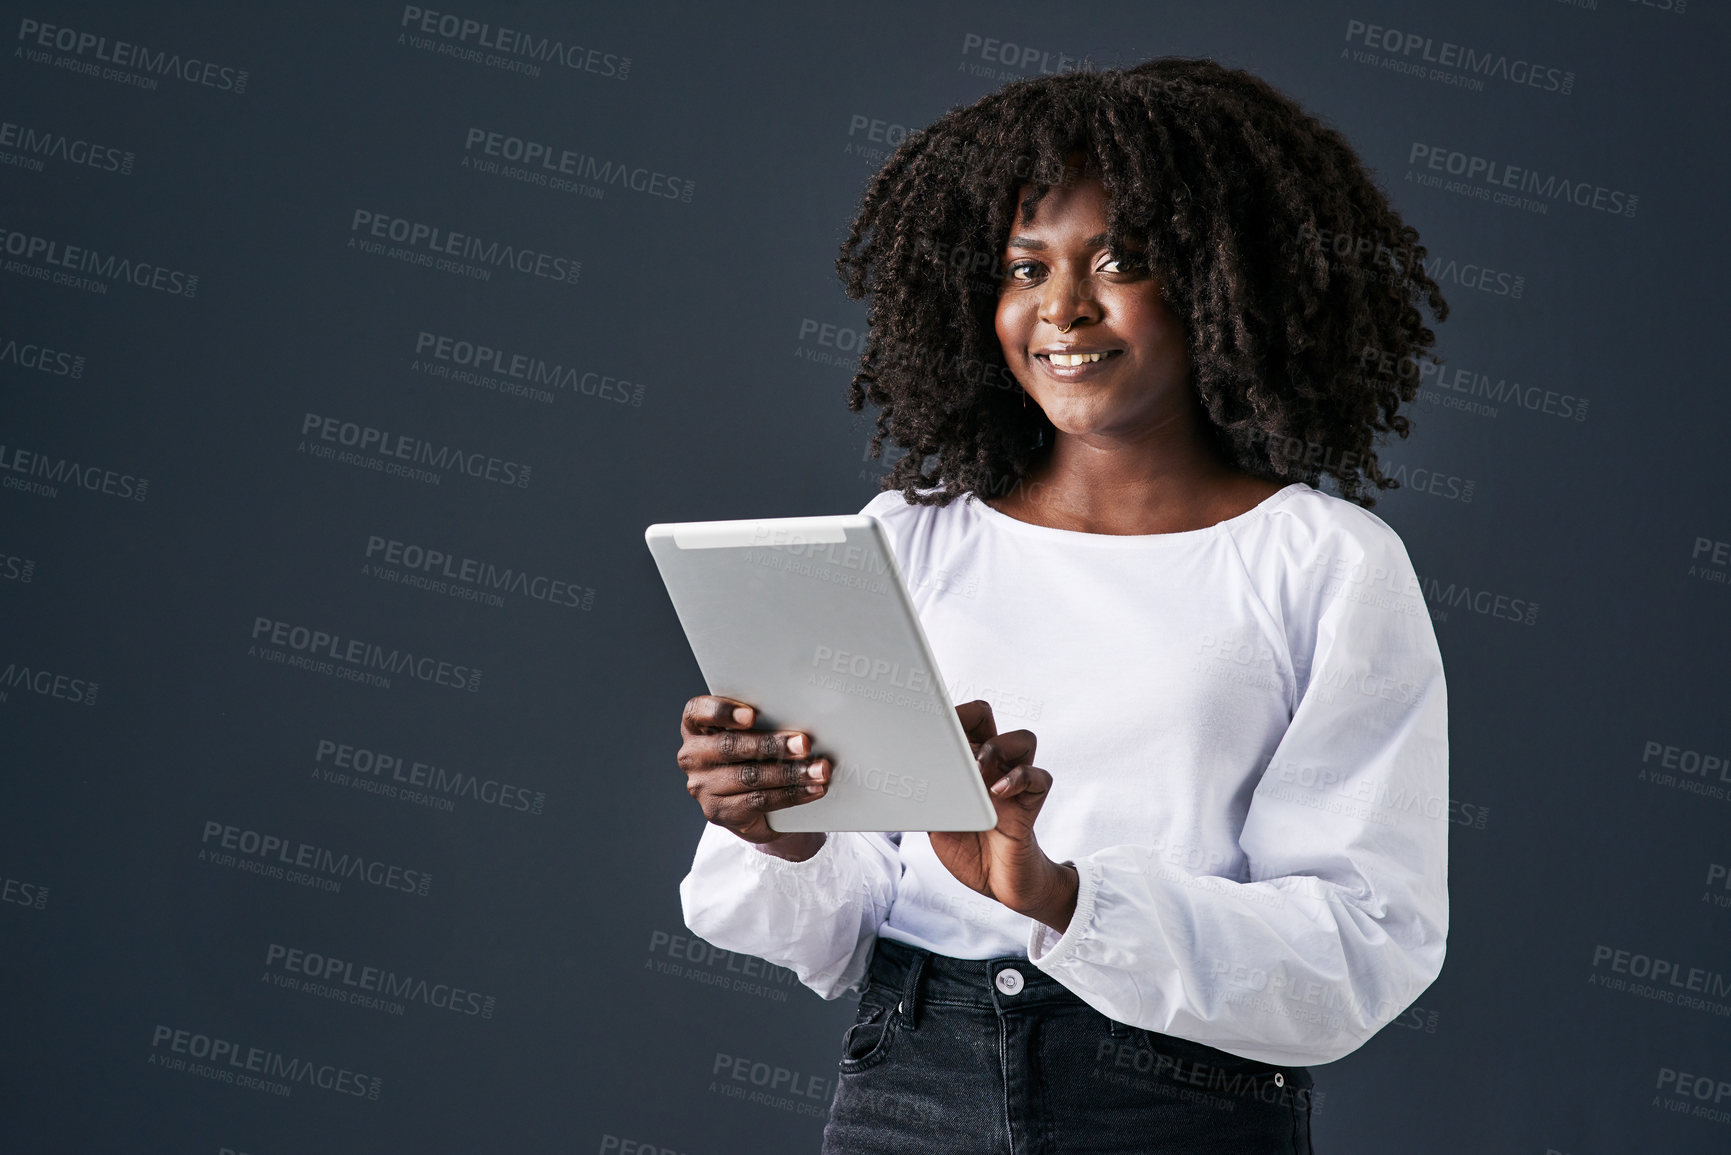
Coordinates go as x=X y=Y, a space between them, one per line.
x=809 y=620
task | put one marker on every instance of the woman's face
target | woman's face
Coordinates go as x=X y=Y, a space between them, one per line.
x=1133 y=375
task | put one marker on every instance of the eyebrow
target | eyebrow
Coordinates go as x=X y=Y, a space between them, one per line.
x=1030 y=243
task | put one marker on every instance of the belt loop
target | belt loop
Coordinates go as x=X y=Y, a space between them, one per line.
x=910 y=1004
x=1119 y=1030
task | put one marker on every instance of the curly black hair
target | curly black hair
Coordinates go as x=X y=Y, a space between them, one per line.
x=1295 y=278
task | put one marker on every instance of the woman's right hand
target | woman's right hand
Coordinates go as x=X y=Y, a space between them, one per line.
x=738 y=774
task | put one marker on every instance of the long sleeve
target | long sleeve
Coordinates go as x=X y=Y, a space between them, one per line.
x=1342 y=921
x=819 y=918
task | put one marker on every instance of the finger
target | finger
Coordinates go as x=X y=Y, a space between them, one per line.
x=746 y=777
x=703 y=750
x=977 y=721
x=744 y=811
x=711 y=711
x=1001 y=752
x=1025 y=781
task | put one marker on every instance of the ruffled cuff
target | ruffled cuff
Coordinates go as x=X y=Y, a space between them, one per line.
x=1047 y=949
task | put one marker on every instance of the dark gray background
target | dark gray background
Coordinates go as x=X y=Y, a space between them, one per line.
x=1565 y=842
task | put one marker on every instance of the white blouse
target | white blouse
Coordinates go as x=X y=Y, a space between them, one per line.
x=1247 y=730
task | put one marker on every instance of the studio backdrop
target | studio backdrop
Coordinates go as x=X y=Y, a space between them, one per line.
x=346 y=350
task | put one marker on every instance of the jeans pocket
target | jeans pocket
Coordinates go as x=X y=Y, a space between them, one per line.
x=1223 y=1077
x=865 y=1043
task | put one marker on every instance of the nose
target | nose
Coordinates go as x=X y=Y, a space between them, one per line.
x=1068 y=300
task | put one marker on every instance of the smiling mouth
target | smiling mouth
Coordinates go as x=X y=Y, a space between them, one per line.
x=1070 y=360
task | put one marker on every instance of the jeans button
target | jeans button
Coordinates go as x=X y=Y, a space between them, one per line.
x=1010 y=981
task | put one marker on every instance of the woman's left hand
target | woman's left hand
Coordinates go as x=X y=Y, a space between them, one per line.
x=1006 y=863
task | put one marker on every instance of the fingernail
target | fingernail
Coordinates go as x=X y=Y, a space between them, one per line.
x=742 y=715
x=999 y=785
x=814 y=789
x=796 y=744
x=816 y=771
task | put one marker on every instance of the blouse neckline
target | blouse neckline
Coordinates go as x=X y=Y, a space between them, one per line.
x=1129 y=540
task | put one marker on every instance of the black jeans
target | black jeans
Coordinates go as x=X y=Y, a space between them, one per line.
x=995 y=1057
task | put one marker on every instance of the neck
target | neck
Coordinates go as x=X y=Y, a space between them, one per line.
x=1167 y=479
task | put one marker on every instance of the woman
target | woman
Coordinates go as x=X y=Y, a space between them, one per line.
x=1131 y=319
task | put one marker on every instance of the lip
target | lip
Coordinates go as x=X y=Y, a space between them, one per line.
x=1041 y=357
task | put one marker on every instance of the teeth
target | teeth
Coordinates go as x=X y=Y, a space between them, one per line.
x=1074 y=358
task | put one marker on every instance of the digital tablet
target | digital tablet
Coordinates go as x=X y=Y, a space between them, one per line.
x=808 y=619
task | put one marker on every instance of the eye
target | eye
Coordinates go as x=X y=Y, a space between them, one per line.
x=1022 y=270
x=1128 y=265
